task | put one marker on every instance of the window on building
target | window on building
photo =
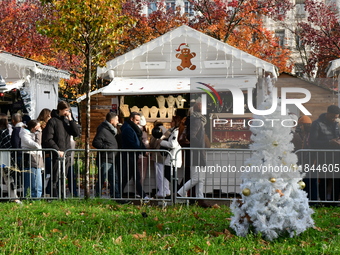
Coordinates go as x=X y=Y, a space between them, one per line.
x=300 y=11
x=152 y=6
x=280 y=35
x=299 y=69
x=298 y=41
x=171 y=5
x=188 y=8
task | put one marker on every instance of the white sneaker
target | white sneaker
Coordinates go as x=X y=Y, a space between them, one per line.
x=147 y=198
x=181 y=195
x=161 y=196
x=18 y=201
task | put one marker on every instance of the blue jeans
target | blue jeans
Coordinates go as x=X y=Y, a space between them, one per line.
x=107 y=170
x=33 y=181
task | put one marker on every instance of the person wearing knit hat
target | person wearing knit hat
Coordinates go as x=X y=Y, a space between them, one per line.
x=303 y=128
x=304 y=120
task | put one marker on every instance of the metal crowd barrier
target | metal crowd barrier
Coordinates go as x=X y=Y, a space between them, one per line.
x=220 y=177
x=215 y=171
x=16 y=171
x=128 y=175
x=210 y=173
x=322 y=174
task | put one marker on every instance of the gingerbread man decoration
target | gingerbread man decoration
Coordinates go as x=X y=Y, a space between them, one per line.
x=186 y=57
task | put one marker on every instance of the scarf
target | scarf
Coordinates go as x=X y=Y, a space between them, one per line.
x=112 y=128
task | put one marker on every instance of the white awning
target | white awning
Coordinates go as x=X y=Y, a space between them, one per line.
x=12 y=85
x=333 y=67
x=125 y=86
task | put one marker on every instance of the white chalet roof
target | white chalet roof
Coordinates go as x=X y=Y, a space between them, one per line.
x=153 y=67
x=15 y=70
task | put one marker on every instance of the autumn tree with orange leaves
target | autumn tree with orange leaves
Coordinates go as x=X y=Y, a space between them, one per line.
x=240 y=24
x=88 y=28
x=18 y=35
x=147 y=27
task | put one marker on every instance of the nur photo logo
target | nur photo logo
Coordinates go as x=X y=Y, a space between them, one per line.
x=239 y=102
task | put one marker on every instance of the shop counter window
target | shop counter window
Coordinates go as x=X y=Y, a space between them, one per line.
x=230 y=131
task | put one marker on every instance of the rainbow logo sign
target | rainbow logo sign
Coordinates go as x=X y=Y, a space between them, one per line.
x=213 y=97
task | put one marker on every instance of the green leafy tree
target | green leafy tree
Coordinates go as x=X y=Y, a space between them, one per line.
x=88 y=28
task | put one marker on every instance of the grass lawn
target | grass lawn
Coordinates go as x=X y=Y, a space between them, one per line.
x=104 y=227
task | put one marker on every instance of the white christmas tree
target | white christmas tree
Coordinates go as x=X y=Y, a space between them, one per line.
x=273 y=201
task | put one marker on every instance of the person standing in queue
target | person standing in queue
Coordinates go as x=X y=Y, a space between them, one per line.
x=105 y=138
x=57 y=135
x=30 y=135
x=132 y=139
